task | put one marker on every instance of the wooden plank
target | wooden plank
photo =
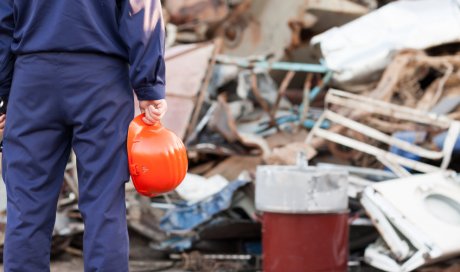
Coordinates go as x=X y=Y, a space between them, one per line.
x=382 y=137
x=374 y=151
x=287 y=155
x=234 y=165
x=282 y=138
x=366 y=104
x=204 y=87
x=177 y=118
x=281 y=93
x=186 y=69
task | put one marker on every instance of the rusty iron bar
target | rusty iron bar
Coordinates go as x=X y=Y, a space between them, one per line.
x=306 y=98
x=261 y=63
x=204 y=87
x=259 y=98
x=281 y=92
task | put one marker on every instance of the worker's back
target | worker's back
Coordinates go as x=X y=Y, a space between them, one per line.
x=129 y=29
x=90 y=26
x=64 y=71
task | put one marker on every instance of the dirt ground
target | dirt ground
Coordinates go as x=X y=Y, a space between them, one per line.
x=142 y=259
x=65 y=264
x=68 y=263
x=145 y=259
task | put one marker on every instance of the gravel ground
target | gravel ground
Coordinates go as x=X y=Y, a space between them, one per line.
x=68 y=263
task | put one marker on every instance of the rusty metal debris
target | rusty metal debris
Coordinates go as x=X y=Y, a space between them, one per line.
x=392 y=161
x=358 y=51
x=418 y=218
x=247 y=89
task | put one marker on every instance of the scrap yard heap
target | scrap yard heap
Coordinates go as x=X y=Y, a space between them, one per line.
x=321 y=135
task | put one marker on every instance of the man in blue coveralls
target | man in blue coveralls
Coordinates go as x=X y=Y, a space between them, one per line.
x=64 y=68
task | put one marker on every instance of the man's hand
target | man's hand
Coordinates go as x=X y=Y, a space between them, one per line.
x=2 y=123
x=154 y=110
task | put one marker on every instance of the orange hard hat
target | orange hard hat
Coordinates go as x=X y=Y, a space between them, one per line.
x=157 y=158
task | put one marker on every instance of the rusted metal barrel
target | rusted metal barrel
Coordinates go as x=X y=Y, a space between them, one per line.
x=305 y=219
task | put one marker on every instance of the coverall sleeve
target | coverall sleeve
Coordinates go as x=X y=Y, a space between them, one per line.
x=142 y=29
x=6 y=38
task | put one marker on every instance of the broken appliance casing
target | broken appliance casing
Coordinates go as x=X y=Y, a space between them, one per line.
x=418 y=218
x=358 y=51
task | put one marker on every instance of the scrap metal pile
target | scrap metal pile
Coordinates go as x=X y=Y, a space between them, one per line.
x=368 y=87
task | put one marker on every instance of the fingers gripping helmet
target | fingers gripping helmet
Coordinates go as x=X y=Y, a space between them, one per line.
x=157 y=158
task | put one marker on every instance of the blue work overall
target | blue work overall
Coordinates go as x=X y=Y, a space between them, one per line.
x=87 y=106
x=69 y=69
